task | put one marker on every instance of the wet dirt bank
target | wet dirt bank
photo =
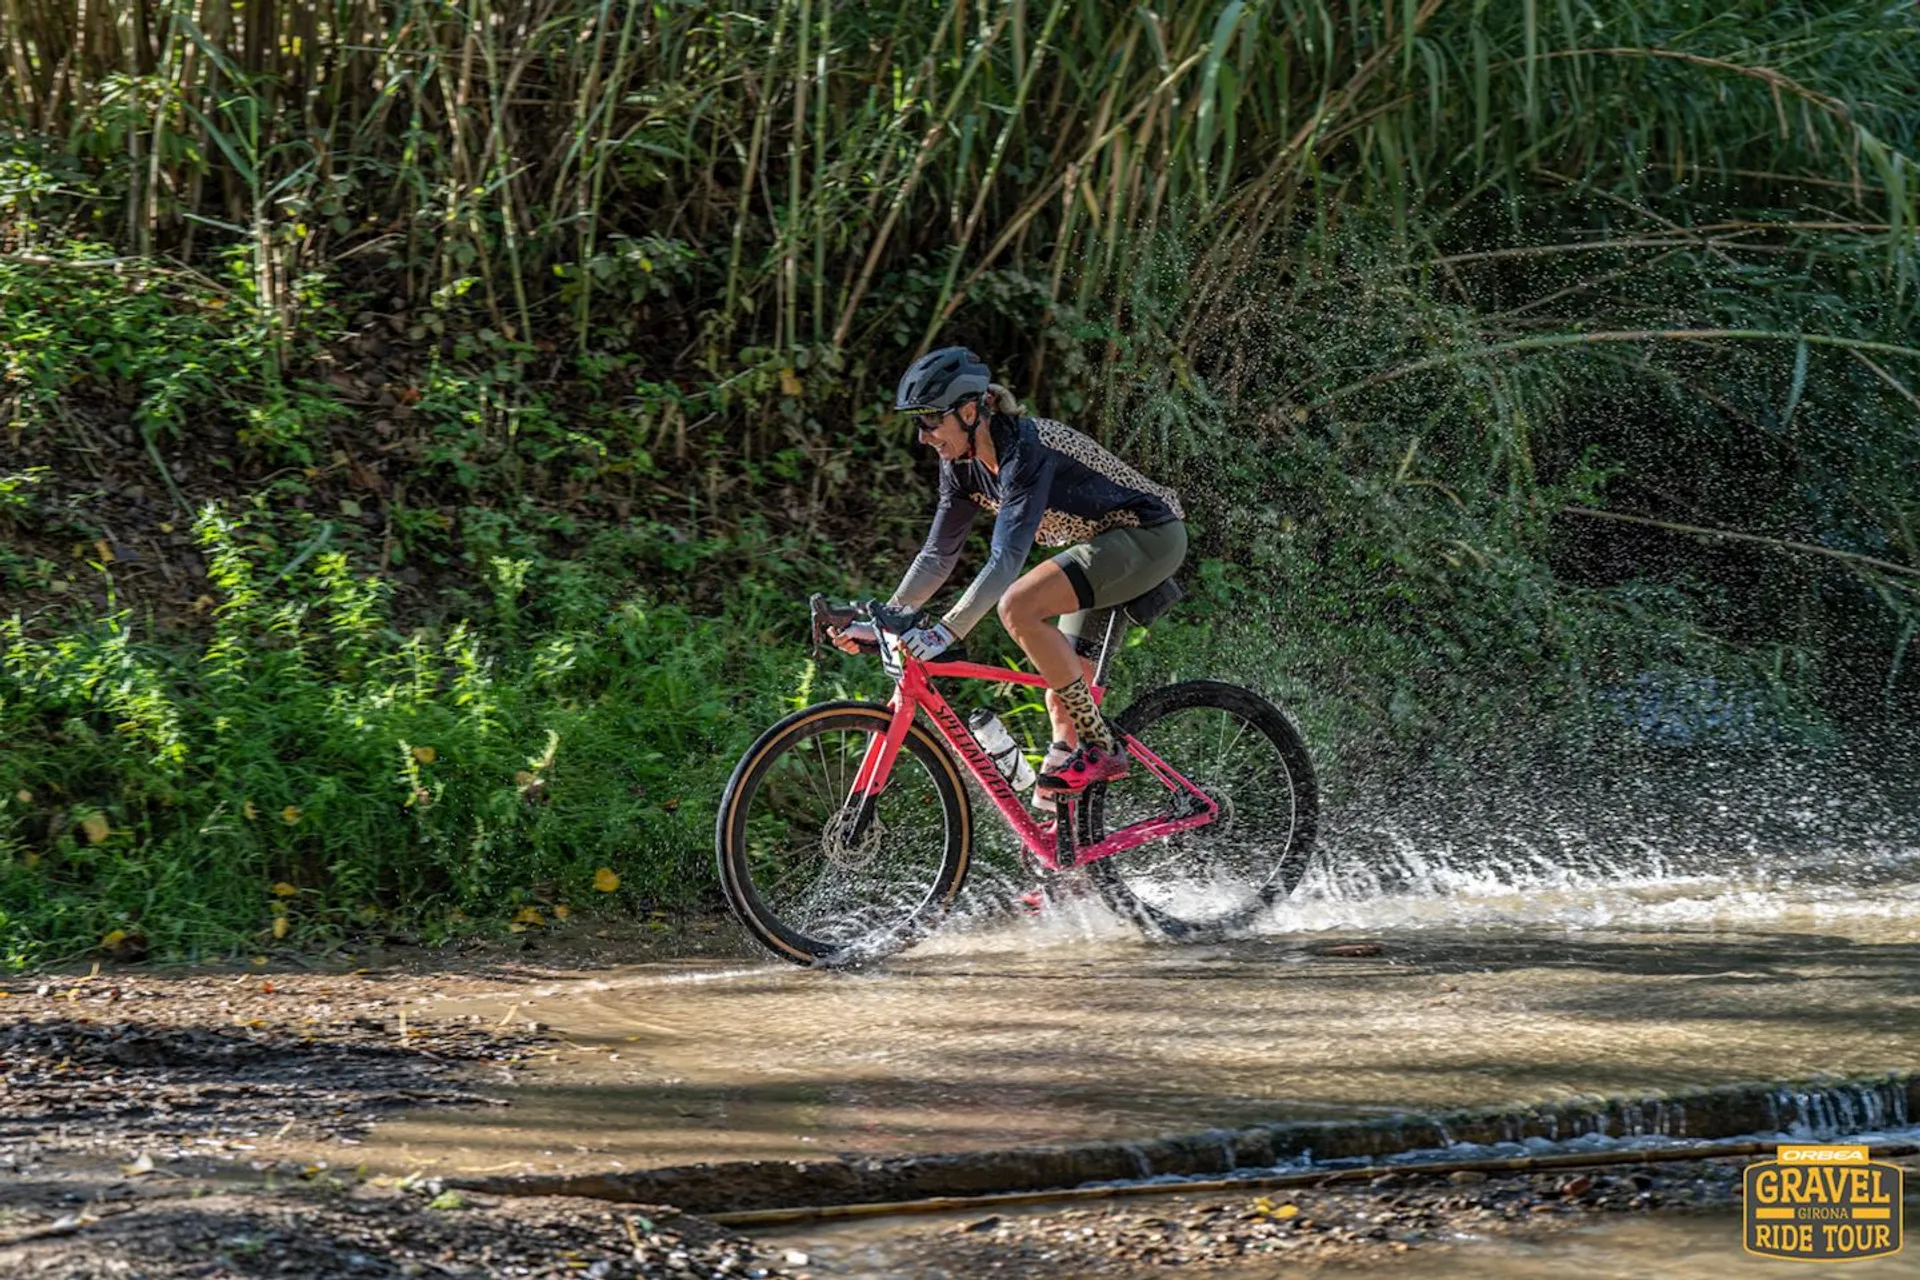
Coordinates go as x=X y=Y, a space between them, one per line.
x=212 y=1124
x=1410 y=1224
x=1240 y=1234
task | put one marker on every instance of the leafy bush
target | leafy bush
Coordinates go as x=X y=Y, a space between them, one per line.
x=306 y=743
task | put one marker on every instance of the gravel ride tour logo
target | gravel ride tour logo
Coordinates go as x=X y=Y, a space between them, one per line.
x=1822 y=1203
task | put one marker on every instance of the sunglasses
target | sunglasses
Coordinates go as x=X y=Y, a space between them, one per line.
x=928 y=423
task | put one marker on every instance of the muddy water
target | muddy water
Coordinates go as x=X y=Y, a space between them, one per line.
x=1070 y=1027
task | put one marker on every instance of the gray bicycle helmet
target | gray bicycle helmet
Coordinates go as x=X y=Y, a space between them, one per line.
x=940 y=380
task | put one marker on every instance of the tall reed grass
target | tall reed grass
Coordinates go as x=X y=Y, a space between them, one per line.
x=1425 y=304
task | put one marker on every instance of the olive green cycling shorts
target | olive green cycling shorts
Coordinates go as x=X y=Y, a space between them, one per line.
x=1114 y=568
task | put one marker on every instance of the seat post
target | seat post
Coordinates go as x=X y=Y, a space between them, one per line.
x=1116 y=631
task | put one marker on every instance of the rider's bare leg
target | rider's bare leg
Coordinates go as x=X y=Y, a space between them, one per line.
x=1025 y=609
x=1041 y=594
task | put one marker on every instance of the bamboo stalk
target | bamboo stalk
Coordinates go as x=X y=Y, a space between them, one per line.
x=819 y=307
x=750 y=173
x=928 y=139
x=948 y=302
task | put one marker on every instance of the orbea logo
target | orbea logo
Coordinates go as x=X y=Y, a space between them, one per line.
x=1825 y=1203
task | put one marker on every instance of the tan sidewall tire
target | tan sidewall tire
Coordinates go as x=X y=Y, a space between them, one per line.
x=730 y=823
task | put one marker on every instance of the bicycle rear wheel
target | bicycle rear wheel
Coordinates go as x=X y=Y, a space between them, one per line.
x=813 y=881
x=1244 y=753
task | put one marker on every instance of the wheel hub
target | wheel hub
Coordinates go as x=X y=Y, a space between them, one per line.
x=841 y=847
x=1187 y=805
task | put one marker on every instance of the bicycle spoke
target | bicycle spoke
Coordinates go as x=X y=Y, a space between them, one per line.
x=1218 y=871
x=809 y=871
x=826 y=771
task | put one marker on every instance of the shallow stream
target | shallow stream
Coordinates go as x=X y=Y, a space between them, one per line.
x=1071 y=1027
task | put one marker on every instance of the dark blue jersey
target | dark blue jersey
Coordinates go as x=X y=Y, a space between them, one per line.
x=1056 y=487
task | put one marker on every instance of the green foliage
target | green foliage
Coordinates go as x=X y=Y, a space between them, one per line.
x=577 y=322
x=307 y=742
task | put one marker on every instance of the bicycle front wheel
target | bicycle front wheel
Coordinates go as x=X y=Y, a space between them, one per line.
x=814 y=876
x=1245 y=754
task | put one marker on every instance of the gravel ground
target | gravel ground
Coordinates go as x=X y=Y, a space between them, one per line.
x=140 y=1114
x=182 y=1065
x=1366 y=1227
x=326 y=1228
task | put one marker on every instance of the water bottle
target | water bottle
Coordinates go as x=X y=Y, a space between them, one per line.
x=1001 y=749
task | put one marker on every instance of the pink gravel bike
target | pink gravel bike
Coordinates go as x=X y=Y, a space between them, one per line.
x=846 y=831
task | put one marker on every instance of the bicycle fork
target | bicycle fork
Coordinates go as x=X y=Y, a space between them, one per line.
x=876 y=766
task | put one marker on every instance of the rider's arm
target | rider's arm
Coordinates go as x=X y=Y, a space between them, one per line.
x=1026 y=477
x=931 y=568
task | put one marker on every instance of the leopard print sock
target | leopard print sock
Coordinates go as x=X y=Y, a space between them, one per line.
x=1085 y=716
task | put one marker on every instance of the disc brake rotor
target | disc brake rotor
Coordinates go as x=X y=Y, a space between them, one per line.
x=846 y=853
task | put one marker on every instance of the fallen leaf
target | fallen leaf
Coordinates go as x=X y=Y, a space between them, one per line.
x=24 y=796
x=561 y=911
x=605 y=880
x=202 y=603
x=250 y=812
x=32 y=859
x=279 y=927
x=259 y=960
x=113 y=939
x=106 y=552
x=447 y=1200
x=141 y=1165
x=281 y=889
x=790 y=384
x=425 y=755
x=290 y=814
x=528 y=915
x=96 y=826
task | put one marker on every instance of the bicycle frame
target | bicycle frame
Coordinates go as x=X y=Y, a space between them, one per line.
x=1051 y=842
